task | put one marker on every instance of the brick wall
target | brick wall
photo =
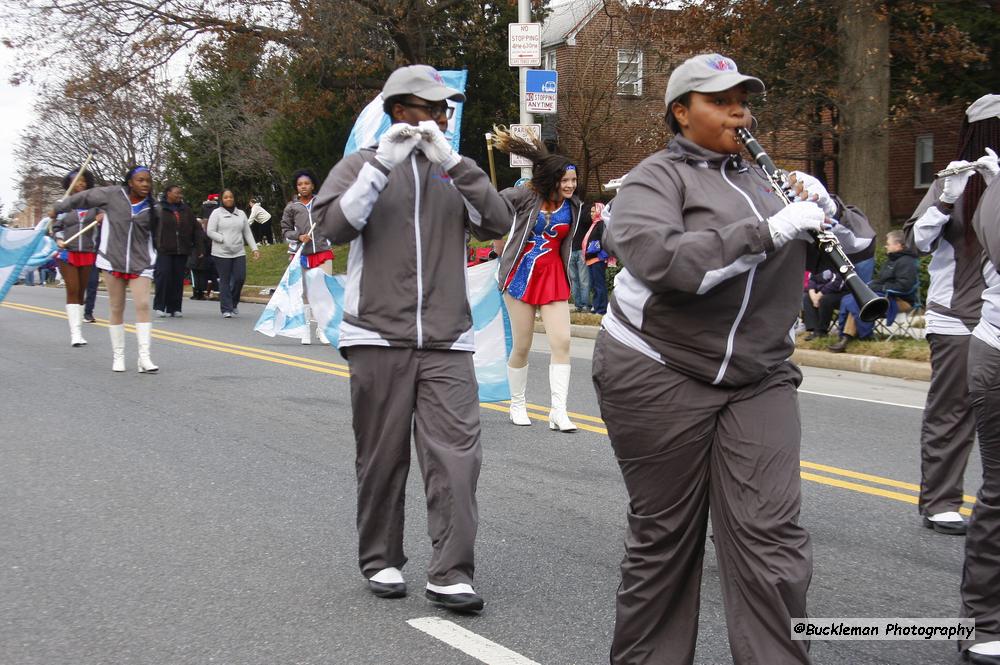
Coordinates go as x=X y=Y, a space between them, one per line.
x=941 y=123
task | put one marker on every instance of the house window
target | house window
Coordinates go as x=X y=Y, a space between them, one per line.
x=923 y=174
x=550 y=60
x=630 y=72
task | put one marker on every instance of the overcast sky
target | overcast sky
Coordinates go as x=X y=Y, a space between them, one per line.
x=17 y=113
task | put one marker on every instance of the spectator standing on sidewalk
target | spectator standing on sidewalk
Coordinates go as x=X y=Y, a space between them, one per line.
x=229 y=229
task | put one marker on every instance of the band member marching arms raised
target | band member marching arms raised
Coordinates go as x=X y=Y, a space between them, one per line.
x=534 y=271
x=76 y=259
x=406 y=208
x=126 y=254
x=941 y=226
x=693 y=378
x=981 y=572
x=296 y=226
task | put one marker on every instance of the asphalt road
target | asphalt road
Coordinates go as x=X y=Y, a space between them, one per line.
x=206 y=514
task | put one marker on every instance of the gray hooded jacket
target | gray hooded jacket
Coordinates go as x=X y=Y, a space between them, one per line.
x=69 y=224
x=406 y=264
x=703 y=289
x=126 y=240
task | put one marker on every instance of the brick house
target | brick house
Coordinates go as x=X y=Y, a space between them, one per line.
x=612 y=82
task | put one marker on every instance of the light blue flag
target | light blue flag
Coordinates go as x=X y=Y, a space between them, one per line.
x=373 y=121
x=20 y=249
x=490 y=322
x=285 y=313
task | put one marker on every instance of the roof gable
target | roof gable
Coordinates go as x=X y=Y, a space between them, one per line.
x=566 y=20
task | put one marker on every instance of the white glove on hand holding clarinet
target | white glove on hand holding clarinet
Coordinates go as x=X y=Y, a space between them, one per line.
x=988 y=166
x=797 y=220
x=396 y=144
x=954 y=185
x=807 y=188
x=436 y=146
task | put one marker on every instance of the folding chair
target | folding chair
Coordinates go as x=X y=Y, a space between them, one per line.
x=906 y=322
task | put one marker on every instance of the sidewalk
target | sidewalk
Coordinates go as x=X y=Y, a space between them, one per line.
x=848 y=362
x=900 y=369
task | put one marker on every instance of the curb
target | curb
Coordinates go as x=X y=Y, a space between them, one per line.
x=848 y=362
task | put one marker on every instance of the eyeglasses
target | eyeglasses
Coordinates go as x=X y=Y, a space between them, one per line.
x=433 y=111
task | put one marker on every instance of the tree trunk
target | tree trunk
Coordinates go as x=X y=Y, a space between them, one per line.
x=863 y=27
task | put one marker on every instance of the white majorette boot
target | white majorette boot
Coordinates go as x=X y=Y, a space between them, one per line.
x=307 y=335
x=117 y=347
x=518 y=380
x=143 y=332
x=74 y=314
x=559 y=385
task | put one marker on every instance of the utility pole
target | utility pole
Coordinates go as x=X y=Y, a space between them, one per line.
x=524 y=16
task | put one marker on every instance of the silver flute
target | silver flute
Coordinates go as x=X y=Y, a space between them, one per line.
x=955 y=170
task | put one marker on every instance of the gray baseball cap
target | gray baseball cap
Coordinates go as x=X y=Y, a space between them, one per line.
x=708 y=72
x=421 y=80
x=984 y=108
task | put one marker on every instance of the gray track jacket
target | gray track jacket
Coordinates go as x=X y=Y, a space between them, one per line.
x=986 y=222
x=406 y=264
x=525 y=203
x=69 y=224
x=954 y=297
x=295 y=221
x=126 y=241
x=703 y=289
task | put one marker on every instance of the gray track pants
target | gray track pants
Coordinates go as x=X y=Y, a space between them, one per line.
x=981 y=572
x=433 y=394
x=948 y=428
x=683 y=447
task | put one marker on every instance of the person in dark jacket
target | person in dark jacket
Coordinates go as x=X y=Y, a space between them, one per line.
x=178 y=238
x=126 y=254
x=821 y=299
x=897 y=278
x=205 y=279
x=596 y=259
x=694 y=381
x=406 y=208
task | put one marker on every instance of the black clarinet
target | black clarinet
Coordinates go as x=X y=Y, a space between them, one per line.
x=873 y=306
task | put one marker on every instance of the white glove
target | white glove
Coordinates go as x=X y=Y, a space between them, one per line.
x=396 y=144
x=954 y=185
x=813 y=190
x=436 y=146
x=795 y=221
x=988 y=166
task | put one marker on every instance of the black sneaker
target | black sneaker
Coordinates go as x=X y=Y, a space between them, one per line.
x=89 y=318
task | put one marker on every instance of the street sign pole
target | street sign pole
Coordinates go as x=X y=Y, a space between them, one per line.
x=524 y=16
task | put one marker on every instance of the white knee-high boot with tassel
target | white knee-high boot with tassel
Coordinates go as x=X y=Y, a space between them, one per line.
x=518 y=380
x=117 y=347
x=74 y=314
x=144 y=332
x=559 y=385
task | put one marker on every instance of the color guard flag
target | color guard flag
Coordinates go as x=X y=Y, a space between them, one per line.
x=285 y=313
x=20 y=249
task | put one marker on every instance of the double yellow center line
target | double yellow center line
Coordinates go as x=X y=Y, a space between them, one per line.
x=818 y=473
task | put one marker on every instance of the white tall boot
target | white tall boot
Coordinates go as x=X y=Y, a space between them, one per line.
x=117 y=347
x=74 y=314
x=143 y=333
x=518 y=380
x=559 y=385
x=307 y=335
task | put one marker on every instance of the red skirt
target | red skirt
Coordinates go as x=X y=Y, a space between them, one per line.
x=80 y=259
x=125 y=275
x=310 y=261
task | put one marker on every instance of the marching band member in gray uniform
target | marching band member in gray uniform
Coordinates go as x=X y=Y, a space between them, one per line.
x=980 y=575
x=694 y=380
x=126 y=254
x=296 y=226
x=77 y=258
x=406 y=207
x=941 y=226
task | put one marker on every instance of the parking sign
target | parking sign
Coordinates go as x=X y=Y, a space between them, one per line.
x=540 y=88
